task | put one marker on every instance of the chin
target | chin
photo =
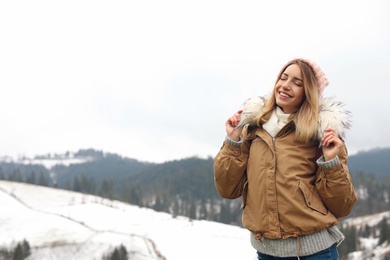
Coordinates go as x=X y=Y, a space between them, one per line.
x=280 y=103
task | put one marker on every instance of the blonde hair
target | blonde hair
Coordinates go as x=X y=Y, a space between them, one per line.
x=306 y=117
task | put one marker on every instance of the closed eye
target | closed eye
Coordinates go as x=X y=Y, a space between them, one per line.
x=298 y=83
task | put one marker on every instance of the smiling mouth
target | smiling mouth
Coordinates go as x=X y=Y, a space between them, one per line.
x=284 y=95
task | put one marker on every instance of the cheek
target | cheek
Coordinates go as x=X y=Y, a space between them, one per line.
x=301 y=93
x=277 y=87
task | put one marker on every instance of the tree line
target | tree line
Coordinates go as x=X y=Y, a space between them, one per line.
x=183 y=187
x=22 y=250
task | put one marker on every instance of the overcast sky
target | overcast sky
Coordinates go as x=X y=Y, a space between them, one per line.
x=156 y=80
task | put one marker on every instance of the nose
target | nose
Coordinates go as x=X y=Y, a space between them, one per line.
x=286 y=84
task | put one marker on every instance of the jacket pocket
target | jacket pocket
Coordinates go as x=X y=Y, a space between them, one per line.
x=312 y=198
x=244 y=194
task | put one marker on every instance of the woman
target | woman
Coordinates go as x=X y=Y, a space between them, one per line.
x=284 y=154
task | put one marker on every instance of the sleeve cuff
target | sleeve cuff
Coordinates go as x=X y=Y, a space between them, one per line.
x=328 y=164
x=233 y=143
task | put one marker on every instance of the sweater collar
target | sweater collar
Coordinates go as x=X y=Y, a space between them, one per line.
x=276 y=122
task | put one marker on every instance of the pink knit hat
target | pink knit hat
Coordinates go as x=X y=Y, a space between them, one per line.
x=322 y=80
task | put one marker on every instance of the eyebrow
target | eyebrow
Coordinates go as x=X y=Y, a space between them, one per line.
x=294 y=77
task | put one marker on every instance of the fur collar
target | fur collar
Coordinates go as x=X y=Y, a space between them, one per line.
x=331 y=114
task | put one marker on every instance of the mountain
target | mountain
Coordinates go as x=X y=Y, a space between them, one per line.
x=99 y=165
x=102 y=164
x=183 y=186
x=376 y=161
x=186 y=187
x=61 y=224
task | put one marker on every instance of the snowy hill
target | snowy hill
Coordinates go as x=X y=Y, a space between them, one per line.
x=52 y=160
x=369 y=247
x=60 y=224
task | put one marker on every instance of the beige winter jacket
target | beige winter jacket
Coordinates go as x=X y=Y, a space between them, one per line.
x=285 y=193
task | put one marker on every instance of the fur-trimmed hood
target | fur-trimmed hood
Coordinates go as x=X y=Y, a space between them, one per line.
x=331 y=114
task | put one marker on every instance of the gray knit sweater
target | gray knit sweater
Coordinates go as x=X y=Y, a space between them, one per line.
x=308 y=245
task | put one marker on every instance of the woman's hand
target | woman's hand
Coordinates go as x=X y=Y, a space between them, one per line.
x=231 y=130
x=331 y=144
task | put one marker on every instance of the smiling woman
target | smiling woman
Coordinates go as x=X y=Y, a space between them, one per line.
x=289 y=164
x=289 y=90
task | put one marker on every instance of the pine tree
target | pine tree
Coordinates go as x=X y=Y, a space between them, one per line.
x=119 y=253
x=123 y=252
x=21 y=251
x=18 y=253
x=365 y=232
x=42 y=181
x=26 y=248
x=225 y=213
x=203 y=214
x=136 y=196
x=115 y=255
x=385 y=231
x=16 y=175
x=211 y=213
x=349 y=244
x=175 y=208
x=158 y=205
x=2 y=175
x=106 y=190
x=31 y=178
x=192 y=210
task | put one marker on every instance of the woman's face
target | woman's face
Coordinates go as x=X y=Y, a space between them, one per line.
x=289 y=91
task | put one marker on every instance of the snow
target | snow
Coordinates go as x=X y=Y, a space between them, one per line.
x=369 y=247
x=370 y=220
x=368 y=243
x=51 y=162
x=61 y=224
x=362 y=192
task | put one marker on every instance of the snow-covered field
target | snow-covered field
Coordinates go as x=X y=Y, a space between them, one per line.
x=368 y=247
x=61 y=224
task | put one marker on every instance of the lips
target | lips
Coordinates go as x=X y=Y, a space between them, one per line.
x=284 y=95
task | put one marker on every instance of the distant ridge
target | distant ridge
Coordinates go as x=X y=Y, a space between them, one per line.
x=375 y=161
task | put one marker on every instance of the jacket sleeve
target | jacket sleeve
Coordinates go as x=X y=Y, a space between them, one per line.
x=230 y=169
x=335 y=187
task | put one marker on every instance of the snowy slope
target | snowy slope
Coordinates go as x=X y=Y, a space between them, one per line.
x=369 y=247
x=61 y=224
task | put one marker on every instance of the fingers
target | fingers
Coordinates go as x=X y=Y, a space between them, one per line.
x=231 y=123
x=330 y=138
x=234 y=119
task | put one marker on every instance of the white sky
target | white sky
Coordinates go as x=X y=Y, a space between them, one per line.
x=156 y=80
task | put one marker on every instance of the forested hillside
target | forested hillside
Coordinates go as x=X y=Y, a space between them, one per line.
x=185 y=187
x=374 y=161
x=177 y=184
